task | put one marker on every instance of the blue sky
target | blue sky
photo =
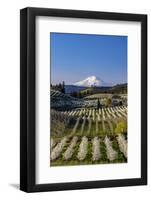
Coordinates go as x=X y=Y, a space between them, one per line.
x=75 y=57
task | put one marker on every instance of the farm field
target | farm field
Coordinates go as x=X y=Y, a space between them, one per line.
x=89 y=136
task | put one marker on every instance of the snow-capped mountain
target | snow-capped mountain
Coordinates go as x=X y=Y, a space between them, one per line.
x=92 y=81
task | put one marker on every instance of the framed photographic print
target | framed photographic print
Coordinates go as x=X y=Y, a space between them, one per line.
x=83 y=99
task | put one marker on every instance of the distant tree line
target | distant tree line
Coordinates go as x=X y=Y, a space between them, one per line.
x=81 y=94
x=59 y=87
x=97 y=90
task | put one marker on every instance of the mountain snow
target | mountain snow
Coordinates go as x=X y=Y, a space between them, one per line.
x=91 y=81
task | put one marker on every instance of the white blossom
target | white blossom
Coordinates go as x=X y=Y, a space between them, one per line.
x=69 y=151
x=58 y=149
x=111 y=153
x=99 y=118
x=122 y=144
x=83 y=125
x=83 y=148
x=96 y=154
x=75 y=126
x=52 y=143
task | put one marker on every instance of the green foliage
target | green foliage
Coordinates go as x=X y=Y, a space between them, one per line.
x=121 y=127
x=59 y=87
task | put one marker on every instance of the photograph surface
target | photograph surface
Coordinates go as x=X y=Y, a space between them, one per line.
x=88 y=99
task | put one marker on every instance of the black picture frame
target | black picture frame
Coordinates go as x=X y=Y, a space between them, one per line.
x=28 y=98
